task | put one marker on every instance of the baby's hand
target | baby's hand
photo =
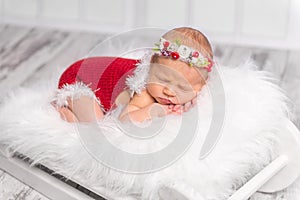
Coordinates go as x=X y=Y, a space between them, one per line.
x=159 y=110
x=187 y=106
x=175 y=109
x=179 y=109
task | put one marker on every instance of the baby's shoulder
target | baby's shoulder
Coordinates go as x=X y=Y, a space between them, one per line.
x=141 y=100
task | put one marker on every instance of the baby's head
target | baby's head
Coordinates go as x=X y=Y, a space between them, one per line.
x=176 y=79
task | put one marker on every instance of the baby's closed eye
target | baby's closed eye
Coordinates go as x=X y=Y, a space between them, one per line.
x=164 y=79
x=184 y=87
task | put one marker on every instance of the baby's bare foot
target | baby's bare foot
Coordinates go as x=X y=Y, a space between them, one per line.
x=67 y=114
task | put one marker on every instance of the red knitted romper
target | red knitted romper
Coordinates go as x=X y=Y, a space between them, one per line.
x=104 y=75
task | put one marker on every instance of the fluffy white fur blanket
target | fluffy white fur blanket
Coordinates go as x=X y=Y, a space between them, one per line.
x=254 y=109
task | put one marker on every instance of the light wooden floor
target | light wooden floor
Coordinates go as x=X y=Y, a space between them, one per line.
x=30 y=54
x=11 y=188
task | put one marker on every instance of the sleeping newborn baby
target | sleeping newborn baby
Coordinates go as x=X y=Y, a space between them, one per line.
x=178 y=69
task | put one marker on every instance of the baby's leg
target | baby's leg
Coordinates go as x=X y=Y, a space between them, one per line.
x=86 y=109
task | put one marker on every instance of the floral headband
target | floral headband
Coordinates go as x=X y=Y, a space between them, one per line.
x=184 y=53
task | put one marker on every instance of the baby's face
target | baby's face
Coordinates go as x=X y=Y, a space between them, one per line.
x=173 y=82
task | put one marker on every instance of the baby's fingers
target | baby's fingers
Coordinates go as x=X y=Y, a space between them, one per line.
x=194 y=102
x=157 y=110
x=177 y=107
x=171 y=107
x=187 y=106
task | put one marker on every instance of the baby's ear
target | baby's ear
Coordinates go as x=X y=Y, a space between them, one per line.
x=154 y=58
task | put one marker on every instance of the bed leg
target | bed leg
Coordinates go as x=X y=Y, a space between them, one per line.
x=260 y=179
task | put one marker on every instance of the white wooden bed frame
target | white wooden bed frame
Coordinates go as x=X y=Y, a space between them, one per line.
x=41 y=181
x=285 y=168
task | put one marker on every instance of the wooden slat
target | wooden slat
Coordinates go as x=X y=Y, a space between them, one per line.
x=11 y=36
x=223 y=53
x=21 y=60
x=41 y=181
x=238 y=56
x=79 y=45
x=273 y=61
x=291 y=82
x=11 y=188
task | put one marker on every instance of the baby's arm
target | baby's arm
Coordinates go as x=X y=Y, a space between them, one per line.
x=143 y=107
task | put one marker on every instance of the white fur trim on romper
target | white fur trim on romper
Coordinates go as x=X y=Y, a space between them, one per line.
x=73 y=91
x=137 y=82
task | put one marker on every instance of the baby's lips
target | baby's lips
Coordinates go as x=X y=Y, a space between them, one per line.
x=164 y=100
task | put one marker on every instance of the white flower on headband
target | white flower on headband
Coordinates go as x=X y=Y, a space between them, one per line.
x=184 y=53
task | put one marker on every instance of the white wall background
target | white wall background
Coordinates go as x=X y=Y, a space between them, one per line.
x=271 y=23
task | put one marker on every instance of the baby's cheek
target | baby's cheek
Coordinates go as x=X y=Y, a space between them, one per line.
x=184 y=97
x=153 y=89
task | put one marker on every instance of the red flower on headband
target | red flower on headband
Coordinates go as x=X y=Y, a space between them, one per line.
x=176 y=51
x=210 y=65
x=195 y=54
x=166 y=44
x=175 y=55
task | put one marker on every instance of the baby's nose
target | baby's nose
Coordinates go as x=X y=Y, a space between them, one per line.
x=167 y=91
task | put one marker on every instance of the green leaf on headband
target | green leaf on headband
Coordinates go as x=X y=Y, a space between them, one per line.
x=177 y=41
x=156 y=49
